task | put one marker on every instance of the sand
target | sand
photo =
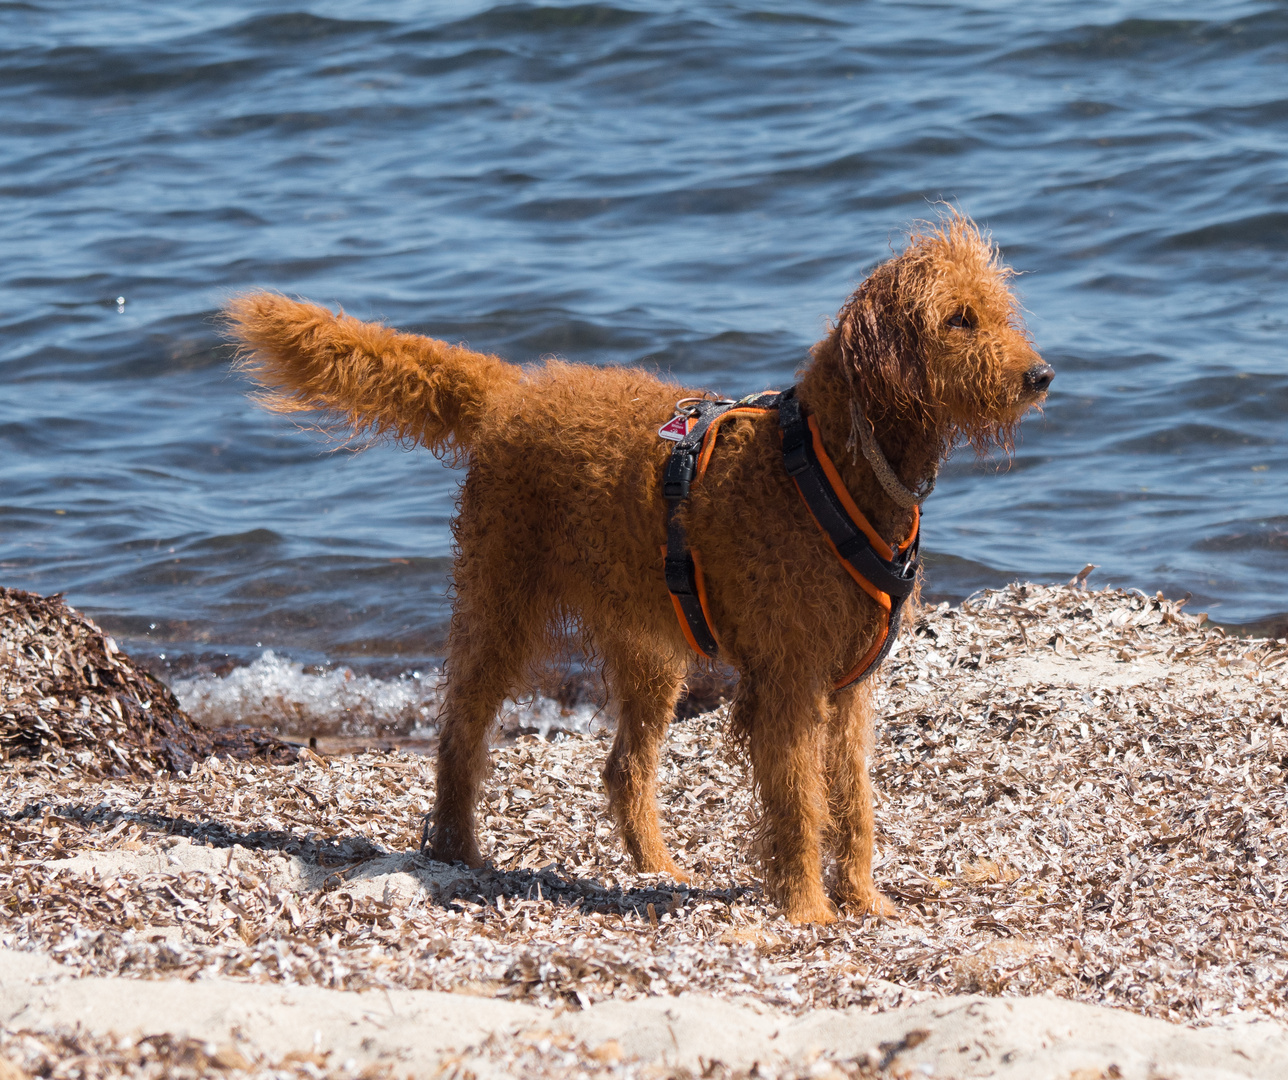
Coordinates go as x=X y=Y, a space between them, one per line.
x=1081 y=819
x=428 y=1033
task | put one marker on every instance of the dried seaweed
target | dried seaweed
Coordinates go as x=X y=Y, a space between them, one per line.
x=534 y=1052
x=66 y=689
x=89 y=1055
x=67 y=692
x=1079 y=793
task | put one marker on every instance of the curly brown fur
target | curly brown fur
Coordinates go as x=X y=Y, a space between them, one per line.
x=382 y=382
x=562 y=515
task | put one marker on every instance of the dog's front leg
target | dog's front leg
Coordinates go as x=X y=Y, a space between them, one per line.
x=850 y=799
x=782 y=722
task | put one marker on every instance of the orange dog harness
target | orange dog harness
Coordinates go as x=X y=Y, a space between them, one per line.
x=886 y=574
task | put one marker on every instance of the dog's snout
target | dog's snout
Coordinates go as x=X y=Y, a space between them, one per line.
x=1038 y=378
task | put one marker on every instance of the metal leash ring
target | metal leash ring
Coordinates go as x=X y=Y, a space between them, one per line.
x=691 y=411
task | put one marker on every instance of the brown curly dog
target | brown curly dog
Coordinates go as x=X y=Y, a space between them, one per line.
x=562 y=519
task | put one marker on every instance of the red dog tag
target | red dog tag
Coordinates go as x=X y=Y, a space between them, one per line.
x=674 y=429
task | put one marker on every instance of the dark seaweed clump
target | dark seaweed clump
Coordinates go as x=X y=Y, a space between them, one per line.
x=69 y=694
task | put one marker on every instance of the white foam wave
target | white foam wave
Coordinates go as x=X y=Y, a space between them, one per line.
x=277 y=693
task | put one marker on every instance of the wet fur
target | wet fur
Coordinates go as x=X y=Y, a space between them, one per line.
x=562 y=519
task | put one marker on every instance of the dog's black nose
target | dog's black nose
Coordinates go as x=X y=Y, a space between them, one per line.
x=1038 y=377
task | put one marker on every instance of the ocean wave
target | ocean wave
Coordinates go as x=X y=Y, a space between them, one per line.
x=1268 y=535
x=289 y=698
x=1255 y=230
x=522 y=19
x=302 y=27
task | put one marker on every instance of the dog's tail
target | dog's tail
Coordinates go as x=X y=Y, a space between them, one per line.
x=374 y=380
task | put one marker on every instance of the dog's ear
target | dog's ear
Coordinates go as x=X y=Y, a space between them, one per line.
x=880 y=342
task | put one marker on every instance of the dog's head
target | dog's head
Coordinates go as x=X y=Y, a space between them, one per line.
x=936 y=333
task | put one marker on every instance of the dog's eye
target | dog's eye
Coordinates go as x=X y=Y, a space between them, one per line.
x=961 y=320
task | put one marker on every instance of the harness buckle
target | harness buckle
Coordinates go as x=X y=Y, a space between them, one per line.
x=681 y=467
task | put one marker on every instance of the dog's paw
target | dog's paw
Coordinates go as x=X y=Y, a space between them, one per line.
x=868 y=902
x=681 y=877
x=672 y=870
x=820 y=912
x=453 y=851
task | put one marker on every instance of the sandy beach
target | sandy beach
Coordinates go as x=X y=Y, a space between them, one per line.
x=1080 y=816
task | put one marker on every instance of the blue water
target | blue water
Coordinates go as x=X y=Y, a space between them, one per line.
x=691 y=186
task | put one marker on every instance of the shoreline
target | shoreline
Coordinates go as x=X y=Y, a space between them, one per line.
x=1079 y=817
x=176 y=660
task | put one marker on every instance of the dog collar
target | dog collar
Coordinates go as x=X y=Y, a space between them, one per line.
x=886 y=476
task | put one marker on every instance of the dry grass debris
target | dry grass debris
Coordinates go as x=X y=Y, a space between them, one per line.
x=84 y=1055
x=68 y=693
x=534 y=1052
x=66 y=689
x=1080 y=793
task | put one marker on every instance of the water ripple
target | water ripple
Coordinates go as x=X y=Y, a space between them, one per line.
x=695 y=189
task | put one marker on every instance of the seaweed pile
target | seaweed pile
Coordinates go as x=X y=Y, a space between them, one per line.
x=68 y=693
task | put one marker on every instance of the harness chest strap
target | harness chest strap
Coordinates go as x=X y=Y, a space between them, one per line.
x=684 y=580
x=887 y=575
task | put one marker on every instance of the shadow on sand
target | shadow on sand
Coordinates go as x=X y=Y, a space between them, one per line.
x=332 y=862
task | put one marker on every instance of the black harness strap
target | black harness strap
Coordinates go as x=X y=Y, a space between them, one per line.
x=896 y=577
x=681 y=573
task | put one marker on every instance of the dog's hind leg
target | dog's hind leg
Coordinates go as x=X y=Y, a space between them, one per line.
x=780 y=722
x=850 y=797
x=480 y=675
x=499 y=619
x=645 y=687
